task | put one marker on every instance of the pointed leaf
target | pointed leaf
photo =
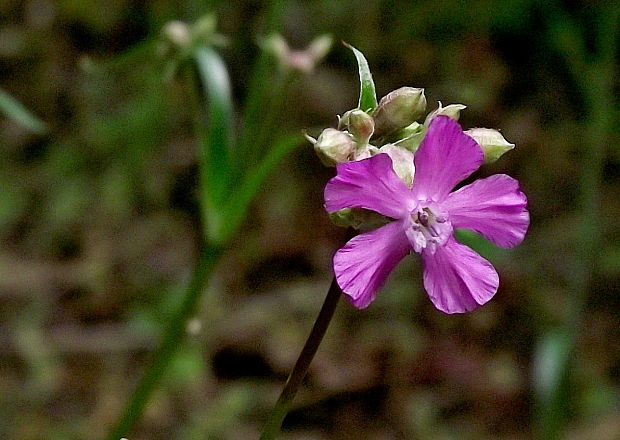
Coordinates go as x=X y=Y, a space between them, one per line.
x=252 y=182
x=215 y=147
x=552 y=361
x=368 y=96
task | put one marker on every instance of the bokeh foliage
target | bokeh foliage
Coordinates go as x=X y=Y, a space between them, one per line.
x=100 y=224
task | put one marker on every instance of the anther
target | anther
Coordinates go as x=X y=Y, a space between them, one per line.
x=423 y=217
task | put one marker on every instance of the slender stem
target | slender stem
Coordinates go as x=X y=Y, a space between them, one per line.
x=282 y=406
x=173 y=336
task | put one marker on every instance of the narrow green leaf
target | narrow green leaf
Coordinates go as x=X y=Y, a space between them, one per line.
x=215 y=168
x=368 y=96
x=14 y=110
x=252 y=182
x=550 y=376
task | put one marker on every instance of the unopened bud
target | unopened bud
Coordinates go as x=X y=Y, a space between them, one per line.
x=493 y=144
x=452 y=111
x=334 y=146
x=360 y=124
x=402 y=162
x=398 y=109
x=178 y=34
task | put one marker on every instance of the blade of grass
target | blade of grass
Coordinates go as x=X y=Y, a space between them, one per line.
x=216 y=137
x=173 y=336
x=237 y=209
x=16 y=111
x=550 y=377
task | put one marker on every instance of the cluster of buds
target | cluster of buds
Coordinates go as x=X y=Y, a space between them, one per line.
x=393 y=128
x=179 y=39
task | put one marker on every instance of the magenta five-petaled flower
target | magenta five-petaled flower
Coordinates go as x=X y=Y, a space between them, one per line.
x=456 y=278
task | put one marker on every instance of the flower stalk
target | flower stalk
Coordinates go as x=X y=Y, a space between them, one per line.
x=294 y=381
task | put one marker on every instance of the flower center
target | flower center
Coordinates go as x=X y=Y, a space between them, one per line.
x=429 y=228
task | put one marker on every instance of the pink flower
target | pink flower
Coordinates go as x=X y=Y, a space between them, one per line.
x=456 y=278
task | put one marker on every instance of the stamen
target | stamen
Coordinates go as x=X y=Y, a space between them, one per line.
x=428 y=230
x=423 y=217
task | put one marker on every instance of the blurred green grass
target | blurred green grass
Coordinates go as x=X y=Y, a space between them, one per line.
x=99 y=225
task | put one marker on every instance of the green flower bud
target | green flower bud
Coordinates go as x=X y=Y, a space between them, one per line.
x=333 y=146
x=402 y=162
x=360 y=124
x=493 y=144
x=398 y=109
x=204 y=31
x=204 y=27
x=358 y=218
x=452 y=111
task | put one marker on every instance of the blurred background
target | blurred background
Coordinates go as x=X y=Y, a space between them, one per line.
x=99 y=229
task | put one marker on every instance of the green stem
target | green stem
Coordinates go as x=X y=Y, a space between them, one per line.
x=172 y=338
x=283 y=405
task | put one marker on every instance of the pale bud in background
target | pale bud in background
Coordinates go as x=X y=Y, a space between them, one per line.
x=493 y=144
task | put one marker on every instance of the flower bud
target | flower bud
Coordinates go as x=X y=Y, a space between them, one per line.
x=178 y=34
x=493 y=144
x=360 y=124
x=452 y=111
x=334 y=146
x=398 y=109
x=402 y=162
x=204 y=28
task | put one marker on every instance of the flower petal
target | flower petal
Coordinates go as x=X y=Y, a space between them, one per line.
x=364 y=263
x=445 y=157
x=494 y=207
x=370 y=184
x=457 y=279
